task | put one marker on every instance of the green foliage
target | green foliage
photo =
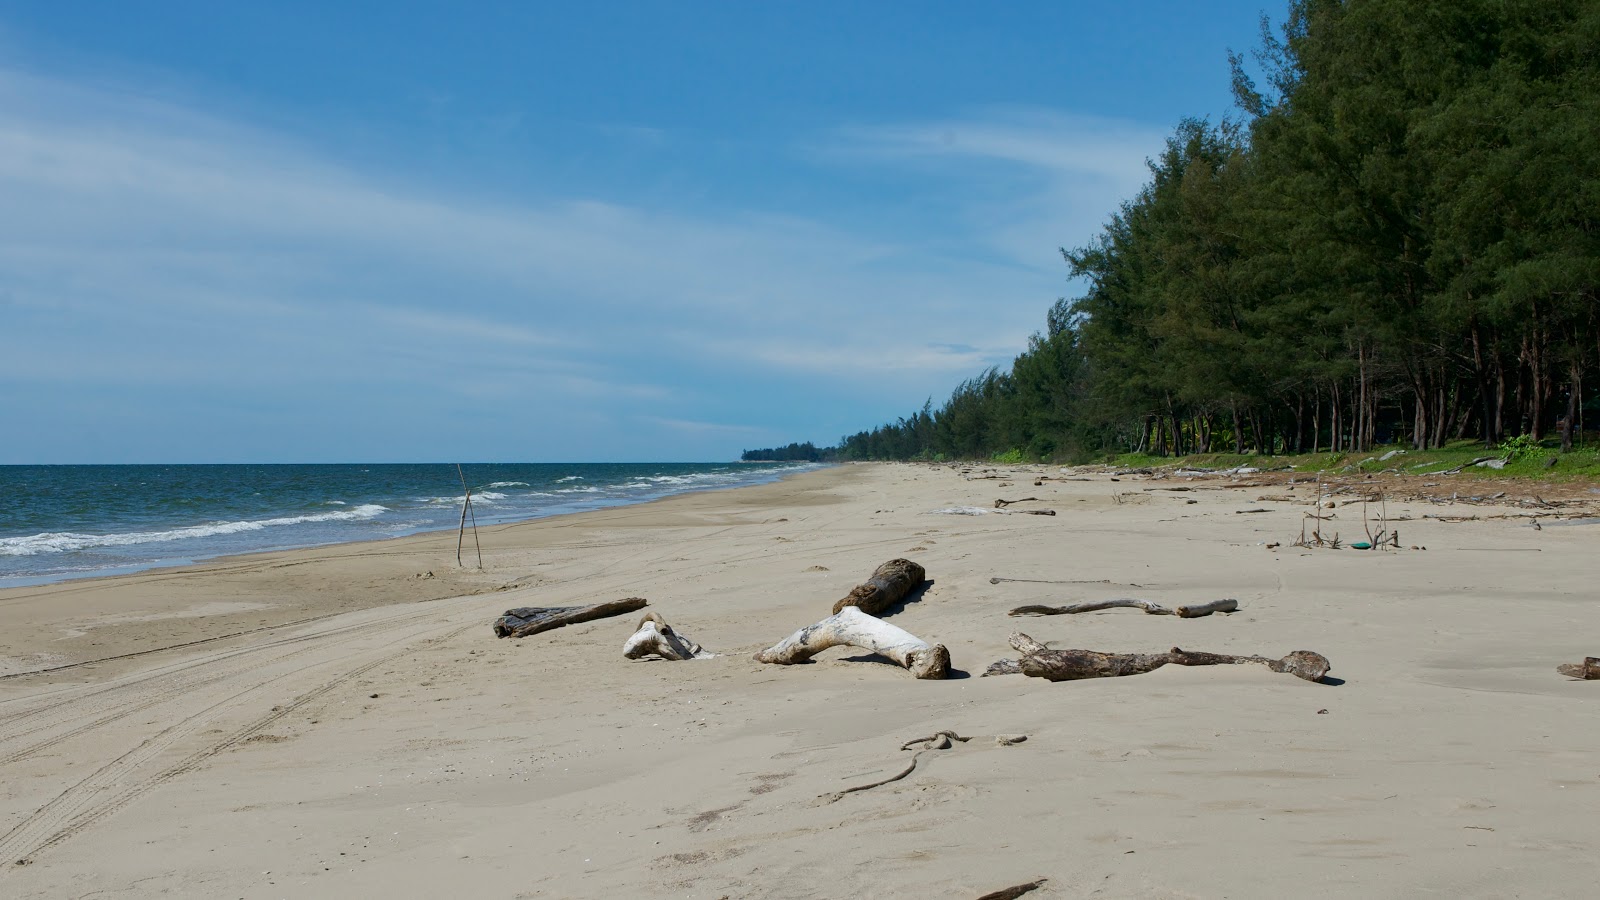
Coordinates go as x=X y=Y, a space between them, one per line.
x=1011 y=457
x=1519 y=448
x=1397 y=243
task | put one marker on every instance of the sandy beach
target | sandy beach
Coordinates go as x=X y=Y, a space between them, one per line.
x=342 y=722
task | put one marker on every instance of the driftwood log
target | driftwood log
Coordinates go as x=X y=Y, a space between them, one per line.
x=1194 y=611
x=1015 y=891
x=1002 y=504
x=888 y=585
x=527 y=620
x=1588 y=670
x=854 y=628
x=1073 y=665
x=655 y=637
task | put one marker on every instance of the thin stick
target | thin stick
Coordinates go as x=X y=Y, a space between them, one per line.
x=466 y=508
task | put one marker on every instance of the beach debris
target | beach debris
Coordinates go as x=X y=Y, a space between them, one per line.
x=997 y=580
x=654 y=637
x=526 y=620
x=854 y=628
x=1588 y=670
x=1015 y=891
x=1002 y=504
x=890 y=583
x=939 y=740
x=1151 y=607
x=1072 y=665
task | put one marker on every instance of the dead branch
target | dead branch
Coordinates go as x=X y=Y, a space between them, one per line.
x=1002 y=504
x=888 y=585
x=655 y=637
x=1149 y=606
x=939 y=740
x=1588 y=670
x=852 y=627
x=1015 y=891
x=1072 y=665
x=527 y=620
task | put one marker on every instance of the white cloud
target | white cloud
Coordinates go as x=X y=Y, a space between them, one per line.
x=149 y=243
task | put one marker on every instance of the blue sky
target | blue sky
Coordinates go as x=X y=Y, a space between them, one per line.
x=284 y=232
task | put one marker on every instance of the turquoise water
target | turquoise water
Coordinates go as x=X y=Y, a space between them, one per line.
x=59 y=522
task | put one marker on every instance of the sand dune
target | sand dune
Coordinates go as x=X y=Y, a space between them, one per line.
x=339 y=723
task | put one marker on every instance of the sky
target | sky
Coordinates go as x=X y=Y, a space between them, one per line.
x=551 y=232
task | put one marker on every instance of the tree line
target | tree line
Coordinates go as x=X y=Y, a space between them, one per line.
x=1395 y=240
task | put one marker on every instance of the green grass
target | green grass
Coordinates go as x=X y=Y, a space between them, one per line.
x=1528 y=461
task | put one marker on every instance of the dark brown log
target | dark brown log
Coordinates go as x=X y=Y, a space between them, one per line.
x=527 y=620
x=1072 y=665
x=1015 y=891
x=888 y=585
x=1032 y=512
x=1155 y=609
x=1588 y=670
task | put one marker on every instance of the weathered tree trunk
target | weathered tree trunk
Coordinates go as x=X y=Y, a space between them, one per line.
x=527 y=620
x=1015 y=891
x=655 y=636
x=1588 y=670
x=1073 y=665
x=852 y=627
x=888 y=585
x=1149 y=606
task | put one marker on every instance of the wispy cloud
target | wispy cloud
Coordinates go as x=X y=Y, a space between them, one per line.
x=148 y=242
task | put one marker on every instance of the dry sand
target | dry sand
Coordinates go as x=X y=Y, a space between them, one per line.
x=362 y=733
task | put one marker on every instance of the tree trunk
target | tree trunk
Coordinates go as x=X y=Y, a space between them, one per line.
x=889 y=584
x=527 y=620
x=1588 y=670
x=1073 y=665
x=852 y=627
x=656 y=637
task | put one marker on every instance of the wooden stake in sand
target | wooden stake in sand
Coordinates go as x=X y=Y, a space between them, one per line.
x=527 y=620
x=466 y=508
x=655 y=637
x=1074 y=665
x=889 y=584
x=854 y=628
x=1149 y=606
x=1588 y=670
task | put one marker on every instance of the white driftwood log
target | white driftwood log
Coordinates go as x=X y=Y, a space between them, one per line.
x=852 y=627
x=656 y=637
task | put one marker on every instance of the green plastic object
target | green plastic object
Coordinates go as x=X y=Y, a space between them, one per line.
x=1361 y=545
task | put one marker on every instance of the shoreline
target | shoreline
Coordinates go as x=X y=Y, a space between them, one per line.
x=23 y=608
x=491 y=518
x=390 y=745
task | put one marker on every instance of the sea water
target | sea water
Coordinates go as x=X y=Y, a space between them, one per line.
x=59 y=522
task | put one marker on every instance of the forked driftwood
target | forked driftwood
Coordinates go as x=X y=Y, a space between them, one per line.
x=527 y=620
x=1072 y=665
x=1015 y=891
x=655 y=637
x=1588 y=670
x=1194 y=611
x=888 y=585
x=1002 y=504
x=1027 y=646
x=854 y=628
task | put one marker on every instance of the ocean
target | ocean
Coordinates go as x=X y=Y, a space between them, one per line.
x=61 y=522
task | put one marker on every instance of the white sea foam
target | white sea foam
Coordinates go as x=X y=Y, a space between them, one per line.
x=506 y=484
x=488 y=495
x=66 y=541
x=570 y=478
x=586 y=489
